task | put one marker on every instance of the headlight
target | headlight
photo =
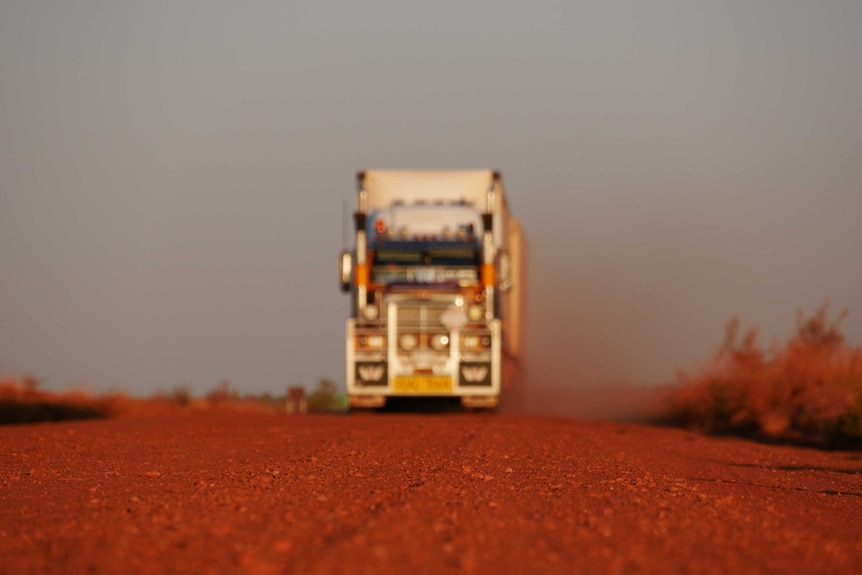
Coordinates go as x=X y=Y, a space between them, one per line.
x=408 y=341
x=439 y=341
x=475 y=342
x=370 y=342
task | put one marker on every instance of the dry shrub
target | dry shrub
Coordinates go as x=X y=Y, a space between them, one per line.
x=810 y=389
x=222 y=393
x=21 y=401
x=181 y=396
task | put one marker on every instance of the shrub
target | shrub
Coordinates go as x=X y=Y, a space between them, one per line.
x=181 y=395
x=811 y=388
x=221 y=393
x=22 y=401
x=324 y=399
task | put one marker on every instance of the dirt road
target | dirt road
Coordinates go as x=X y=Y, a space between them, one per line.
x=228 y=493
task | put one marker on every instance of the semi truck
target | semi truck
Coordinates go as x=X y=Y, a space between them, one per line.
x=437 y=278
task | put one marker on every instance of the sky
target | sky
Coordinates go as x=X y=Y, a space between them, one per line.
x=173 y=175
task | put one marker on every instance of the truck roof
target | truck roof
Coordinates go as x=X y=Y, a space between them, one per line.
x=387 y=187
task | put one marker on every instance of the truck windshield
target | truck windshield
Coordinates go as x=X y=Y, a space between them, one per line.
x=425 y=262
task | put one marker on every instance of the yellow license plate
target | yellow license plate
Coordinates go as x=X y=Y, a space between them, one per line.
x=422 y=384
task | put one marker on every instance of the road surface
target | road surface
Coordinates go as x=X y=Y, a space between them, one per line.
x=223 y=492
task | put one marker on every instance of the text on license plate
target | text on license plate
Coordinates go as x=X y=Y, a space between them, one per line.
x=422 y=384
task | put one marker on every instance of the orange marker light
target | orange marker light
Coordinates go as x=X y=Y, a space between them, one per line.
x=489 y=275
x=361 y=275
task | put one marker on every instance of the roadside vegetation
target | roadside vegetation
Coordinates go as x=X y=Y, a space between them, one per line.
x=22 y=400
x=326 y=399
x=809 y=389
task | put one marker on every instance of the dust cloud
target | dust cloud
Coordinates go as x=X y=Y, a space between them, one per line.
x=591 y=347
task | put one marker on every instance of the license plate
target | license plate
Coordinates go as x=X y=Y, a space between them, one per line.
x=422 y=384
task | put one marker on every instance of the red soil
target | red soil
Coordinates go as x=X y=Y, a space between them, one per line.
x=223 y=492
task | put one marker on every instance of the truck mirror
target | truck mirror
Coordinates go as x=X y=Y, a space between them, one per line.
x=505 y=272
x=345 y=269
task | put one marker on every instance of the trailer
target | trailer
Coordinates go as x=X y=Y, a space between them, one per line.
x=437 y=278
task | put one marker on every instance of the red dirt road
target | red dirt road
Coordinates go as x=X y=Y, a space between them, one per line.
x=229 y=493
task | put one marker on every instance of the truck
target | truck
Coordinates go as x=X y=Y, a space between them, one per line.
x=437 y=278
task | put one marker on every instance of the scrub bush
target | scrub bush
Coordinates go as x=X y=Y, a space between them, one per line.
x=809 y=389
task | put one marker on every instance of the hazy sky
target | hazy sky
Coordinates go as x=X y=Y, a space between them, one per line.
x=172 y=175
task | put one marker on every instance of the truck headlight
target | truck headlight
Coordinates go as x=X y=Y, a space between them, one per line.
x=370 y=342
x=408 y=341
x=475 y=342
x=439 y=341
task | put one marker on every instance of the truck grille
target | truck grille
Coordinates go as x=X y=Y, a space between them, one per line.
x=423 y=316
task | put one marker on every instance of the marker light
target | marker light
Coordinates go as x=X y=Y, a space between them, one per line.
x=371 y=312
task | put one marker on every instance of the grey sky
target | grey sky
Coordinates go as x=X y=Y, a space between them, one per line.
x=172 y=175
